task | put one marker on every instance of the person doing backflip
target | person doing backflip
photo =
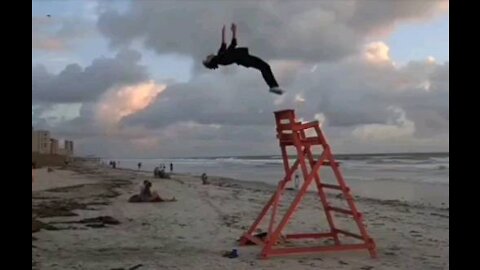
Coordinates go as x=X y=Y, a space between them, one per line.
x=240 y=56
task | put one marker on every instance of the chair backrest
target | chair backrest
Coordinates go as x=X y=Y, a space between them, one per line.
x=285 y=121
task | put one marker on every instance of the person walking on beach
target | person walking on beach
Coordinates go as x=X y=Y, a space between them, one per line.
x=139 y=166
x=204 y=179
x=240 y=56
x=171 y=167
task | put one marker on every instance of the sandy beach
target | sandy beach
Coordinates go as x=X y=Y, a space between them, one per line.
x=81 y=219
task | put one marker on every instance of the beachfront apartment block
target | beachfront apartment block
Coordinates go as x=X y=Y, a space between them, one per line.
x=42 y=143
x=53 y=146
x=68 y=146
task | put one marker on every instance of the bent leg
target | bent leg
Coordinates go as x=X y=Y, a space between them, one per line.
x=257 y=63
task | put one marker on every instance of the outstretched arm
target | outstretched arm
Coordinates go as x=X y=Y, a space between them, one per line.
x=233 y=44
x=223 y=47
x=223 y=34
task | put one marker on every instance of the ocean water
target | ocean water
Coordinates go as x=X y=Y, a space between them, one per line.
x=421 y=177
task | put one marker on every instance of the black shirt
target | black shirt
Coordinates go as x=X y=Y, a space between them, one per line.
x=228 y=56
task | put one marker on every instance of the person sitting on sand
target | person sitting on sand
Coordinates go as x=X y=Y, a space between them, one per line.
x=147 y=195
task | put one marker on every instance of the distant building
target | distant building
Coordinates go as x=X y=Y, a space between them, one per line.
x=68 y=148
x=43 y=144
x=54 y=146
x=41 y=141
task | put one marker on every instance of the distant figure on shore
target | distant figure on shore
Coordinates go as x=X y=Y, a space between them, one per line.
x=171 y=167
x=139 y=166
x=204 y=179
x=147 y=195
x=296 y=180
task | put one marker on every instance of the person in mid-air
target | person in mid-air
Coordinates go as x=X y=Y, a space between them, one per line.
x=240 y=56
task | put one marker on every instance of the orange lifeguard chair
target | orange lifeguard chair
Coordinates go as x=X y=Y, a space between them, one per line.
x=293 y=133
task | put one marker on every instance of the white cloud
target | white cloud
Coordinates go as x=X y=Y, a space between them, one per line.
x=320 y=117
x=397 y=128
x=377 y=52
x=121 y=102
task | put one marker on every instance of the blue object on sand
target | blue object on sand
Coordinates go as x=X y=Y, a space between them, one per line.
x=231 y=254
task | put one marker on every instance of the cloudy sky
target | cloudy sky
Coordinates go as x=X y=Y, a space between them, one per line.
x=124 y=78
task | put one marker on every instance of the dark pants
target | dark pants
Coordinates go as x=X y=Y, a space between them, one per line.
x=257 y=63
